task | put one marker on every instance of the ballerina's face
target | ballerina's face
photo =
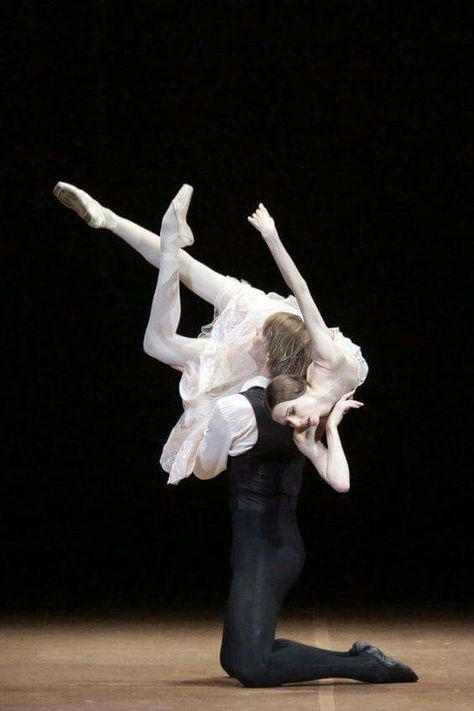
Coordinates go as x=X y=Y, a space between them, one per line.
x=298 y=413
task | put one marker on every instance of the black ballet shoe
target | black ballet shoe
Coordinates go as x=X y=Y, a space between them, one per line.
x=392 y=671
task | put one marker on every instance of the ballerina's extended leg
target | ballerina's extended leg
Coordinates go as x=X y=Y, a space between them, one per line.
x=98 y=216
x=199 y=278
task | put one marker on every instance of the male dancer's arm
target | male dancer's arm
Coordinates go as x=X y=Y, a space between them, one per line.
x=214 y=448
x=231 y=430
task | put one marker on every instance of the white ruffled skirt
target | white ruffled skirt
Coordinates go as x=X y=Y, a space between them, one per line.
x=224 y=365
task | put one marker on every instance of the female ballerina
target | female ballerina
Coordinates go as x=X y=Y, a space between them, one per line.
x=252 y=332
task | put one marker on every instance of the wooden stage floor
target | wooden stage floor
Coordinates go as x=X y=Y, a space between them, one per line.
x=122 y=663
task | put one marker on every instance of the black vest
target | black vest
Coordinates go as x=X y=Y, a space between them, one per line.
x=268 y=475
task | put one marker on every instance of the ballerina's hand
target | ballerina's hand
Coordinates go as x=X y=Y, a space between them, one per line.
x=305 y=440
x=263 y=221
x=343 y=405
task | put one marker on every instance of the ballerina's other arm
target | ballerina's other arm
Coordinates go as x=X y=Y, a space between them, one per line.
x=330 y=461
x=324 y=350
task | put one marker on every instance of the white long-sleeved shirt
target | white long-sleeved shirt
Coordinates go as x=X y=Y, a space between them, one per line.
x=232 y=430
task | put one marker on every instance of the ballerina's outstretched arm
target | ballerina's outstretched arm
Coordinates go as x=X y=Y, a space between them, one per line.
x=199 y=278
x=324 y=349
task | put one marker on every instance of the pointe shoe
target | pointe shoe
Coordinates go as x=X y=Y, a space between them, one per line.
x=180 y=205
x=393 y=671
x=82 y=203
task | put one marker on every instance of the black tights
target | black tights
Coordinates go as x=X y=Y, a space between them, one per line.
x=267 y=557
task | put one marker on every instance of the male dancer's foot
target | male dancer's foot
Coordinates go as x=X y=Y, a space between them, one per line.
x=391 y=670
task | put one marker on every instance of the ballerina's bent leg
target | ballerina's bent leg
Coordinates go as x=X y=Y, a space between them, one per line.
x=161 y=338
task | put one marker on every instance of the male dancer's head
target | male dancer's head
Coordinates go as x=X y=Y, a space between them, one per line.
x=282 y=346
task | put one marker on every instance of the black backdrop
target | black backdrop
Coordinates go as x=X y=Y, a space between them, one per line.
x=347 y=122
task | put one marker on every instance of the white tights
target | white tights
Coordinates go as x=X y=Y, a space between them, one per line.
x=161 y=338
x=200 y=279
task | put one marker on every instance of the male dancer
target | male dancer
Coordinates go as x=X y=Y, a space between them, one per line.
x=265 y=471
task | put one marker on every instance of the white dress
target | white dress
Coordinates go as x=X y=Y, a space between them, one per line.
x=224 y=365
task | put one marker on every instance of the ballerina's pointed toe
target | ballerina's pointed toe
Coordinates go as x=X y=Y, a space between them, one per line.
x=75 y=199
x=181 y=205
